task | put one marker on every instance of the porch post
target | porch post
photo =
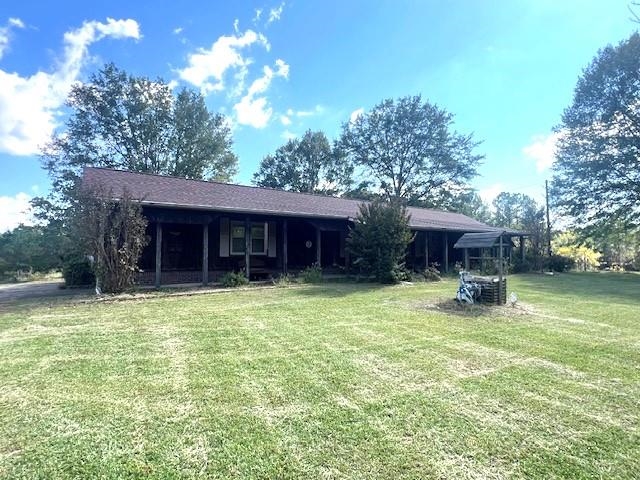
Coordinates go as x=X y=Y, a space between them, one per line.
x=158 y=253
x=205 y=254
x=446 y=252
x=318 y=251
x=247 y=247
x=285 y=246
x=466 y=259
x=426 y=250
x=522 y=248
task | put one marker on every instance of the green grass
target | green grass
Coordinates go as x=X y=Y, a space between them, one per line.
x=327 y=381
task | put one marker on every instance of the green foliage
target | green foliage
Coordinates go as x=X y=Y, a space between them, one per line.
x=133 y=123
x=312 y=274
x=113 y=232
x=596 y=172
x=378 y=241
x=284 y=280
x=432 y=274
x=78 y=272
x=559 y=263
x=521 y=212
x=30 y=248
x=526 y=265
x=567 y=245
x=233 y=280
x=471 y=205
x=308 y=164
x=407 y=148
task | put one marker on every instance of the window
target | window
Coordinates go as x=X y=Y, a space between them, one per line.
x=258 y=238
x=237 y=238
x=258 y=243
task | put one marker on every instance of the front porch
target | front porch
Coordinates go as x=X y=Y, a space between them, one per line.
x=200 y=247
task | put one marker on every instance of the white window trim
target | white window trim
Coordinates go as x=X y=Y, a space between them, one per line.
x=251 y=225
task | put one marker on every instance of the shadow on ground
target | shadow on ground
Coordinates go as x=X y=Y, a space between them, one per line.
x=619 y=287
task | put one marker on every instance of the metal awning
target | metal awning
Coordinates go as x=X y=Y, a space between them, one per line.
x=479 y=240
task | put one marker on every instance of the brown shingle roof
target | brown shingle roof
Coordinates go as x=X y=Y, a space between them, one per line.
x=197 y=194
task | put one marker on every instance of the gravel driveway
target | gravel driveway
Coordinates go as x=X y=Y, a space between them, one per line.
x=13 y=293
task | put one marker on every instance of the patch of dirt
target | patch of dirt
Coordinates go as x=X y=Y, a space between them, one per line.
x=453 y=307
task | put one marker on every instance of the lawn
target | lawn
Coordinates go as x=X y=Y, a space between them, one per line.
x=327 y=381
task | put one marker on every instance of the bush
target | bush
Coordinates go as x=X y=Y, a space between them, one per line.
x=522 y=265
x=113 y=231
x=559 y=263
x=77 y=272
x=234 y=279
x=432 y=274
x=284 y=280
x=379 y=239
x=312 y=274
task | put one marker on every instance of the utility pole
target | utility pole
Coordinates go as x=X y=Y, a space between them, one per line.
x=546 y=188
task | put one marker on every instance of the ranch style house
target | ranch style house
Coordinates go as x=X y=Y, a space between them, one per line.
x=200 y=230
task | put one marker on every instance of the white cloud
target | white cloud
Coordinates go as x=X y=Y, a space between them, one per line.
x=30 y=106
x=282 y=68
x=542 y=150
x=5 y=33
x=16 y=22
x=15 y=210
x=253 y=109
x=285 y=120
x=206 y=68
x=288 y=135
x=317 y=110
x=275 y=13
x=177 y=30
x=488 y=194
x=257 y=16
x=355 y=114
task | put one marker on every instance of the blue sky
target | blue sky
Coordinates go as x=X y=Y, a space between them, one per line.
x=505 y=68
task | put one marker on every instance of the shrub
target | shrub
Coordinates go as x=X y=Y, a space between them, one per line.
x=432 y=274
x=113 y=231
x=522 y=265
x=284 y=280
x=559 y=263
x=312 y=274
x=77 y=272
x=379 y=239
x=234 y=279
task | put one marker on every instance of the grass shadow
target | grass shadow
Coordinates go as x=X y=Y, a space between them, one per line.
x=608 y=286
x=339 y=289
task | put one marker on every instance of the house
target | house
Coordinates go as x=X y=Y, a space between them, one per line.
x=199 y=230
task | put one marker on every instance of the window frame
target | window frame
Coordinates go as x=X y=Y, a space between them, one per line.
x=239 y=224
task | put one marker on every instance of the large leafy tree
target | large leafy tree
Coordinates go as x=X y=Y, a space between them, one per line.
x=122 y=121
x=308 y=164
x=597 y=168
x=409 y=149
x=521 y=212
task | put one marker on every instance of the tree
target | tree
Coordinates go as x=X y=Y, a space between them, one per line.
x=521 y=212
x=308 y=164
x=568 y=245
x=379 y=239
x=29 y=248
x=471 y=204
x=513 y=210
x=409 y=150
x=134 y=123
x=113 y=233
x=597 y=168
